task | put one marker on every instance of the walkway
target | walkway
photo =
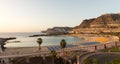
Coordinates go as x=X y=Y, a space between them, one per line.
x=90 y=49
x=86 y=55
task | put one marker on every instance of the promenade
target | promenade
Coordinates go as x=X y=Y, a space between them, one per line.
x=90 y=48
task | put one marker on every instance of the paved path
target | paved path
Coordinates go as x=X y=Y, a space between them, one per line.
x=70 y=48
x=57 y=47
x=86 y=55
x=23 y=55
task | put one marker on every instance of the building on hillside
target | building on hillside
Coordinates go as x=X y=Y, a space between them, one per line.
x=58 y=30
x=71 y=32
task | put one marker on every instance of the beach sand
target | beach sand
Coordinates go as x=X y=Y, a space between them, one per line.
x=101 y=39
x=96 y=38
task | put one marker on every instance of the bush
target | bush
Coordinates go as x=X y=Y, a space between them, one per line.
x=95 y=61
x=87 y=61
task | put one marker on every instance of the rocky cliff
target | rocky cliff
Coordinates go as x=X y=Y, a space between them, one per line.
x=106 y=20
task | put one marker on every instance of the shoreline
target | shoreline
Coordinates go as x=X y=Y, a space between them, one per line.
x=21 y=50
x=85 y=38
x=95 y=38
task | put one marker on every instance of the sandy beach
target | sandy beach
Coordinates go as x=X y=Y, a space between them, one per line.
x=96 y=38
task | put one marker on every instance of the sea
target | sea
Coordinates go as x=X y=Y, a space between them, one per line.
x=23 y=39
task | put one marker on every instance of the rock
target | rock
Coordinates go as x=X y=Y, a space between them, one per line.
x=11 y=38
x=106 y=20
x=3 y=40
x=103 y=24
x=14 y=42
x=58 y=30
x=2 y=43
x=38 y=35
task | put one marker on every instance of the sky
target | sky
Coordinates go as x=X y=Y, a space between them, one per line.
x=37 y=15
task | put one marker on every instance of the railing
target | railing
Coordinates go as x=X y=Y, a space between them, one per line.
x=92 y=48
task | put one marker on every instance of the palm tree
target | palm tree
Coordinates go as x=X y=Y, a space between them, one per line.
x=39 y=41
x=53 y=54
x=63 y=44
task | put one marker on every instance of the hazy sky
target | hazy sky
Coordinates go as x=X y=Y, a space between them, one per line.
x=37 y=15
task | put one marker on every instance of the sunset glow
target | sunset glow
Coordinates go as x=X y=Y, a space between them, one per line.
x=37 y=15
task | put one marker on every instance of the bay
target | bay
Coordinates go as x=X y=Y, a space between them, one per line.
x=25 y=41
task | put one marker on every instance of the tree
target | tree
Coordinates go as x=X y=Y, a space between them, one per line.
x=39 y=41
x=63 y=44
x=95 y=61
x=53 y=54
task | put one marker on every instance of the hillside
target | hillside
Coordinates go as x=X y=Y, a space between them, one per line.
x=105 y=22
x=101 y=21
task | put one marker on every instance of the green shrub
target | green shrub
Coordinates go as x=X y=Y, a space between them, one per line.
x=87 y=61
x=95 y=61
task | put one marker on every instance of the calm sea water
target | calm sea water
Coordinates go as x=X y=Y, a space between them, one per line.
x=26 y=41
